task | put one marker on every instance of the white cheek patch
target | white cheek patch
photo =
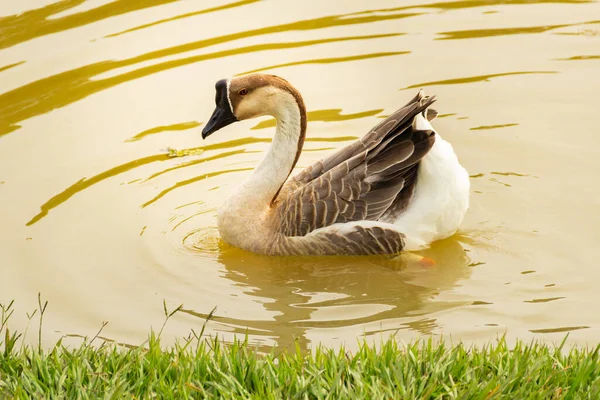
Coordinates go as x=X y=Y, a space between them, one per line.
x=228 y=98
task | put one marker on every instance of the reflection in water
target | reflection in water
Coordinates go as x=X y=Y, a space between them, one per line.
x=485 y=127
x=329 y=60
x=500 y=182
x=446 y=6
x=323 y=116
x=508 y=174
x=482 y=33
x=67 y=87
x=198 y=161
x=453 y=5
x=516 y=174
x=207 y=211
x=575 y=58
x=85 y=183
x=175 y=127
x=465 y=4
x=315 y=300
x=479 y=78
x=581 y=32
x=208 y=10
x=192 y=180
x=333 y=292
x=10 y=66
x=546 y=300
x=15 y=29
x=559 y=330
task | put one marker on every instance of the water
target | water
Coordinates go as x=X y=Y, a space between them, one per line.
x=99 y=218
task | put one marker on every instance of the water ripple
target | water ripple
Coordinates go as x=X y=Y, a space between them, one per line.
x=329 y=60
x=483 y=33
x=478 y=78
x=174 y=127
x=62 y=89
x=16 y=29
x=187 y=15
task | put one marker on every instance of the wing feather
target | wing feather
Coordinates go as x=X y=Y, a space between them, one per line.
x=363 y=180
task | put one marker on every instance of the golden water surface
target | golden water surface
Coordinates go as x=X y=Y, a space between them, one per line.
x=108 y=195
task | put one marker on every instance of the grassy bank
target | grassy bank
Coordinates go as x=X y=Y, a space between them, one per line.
x=199 y=367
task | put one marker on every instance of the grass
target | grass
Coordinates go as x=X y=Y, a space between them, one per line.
x=200 y=367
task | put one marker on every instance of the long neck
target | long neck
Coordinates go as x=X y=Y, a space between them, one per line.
x=270 y=175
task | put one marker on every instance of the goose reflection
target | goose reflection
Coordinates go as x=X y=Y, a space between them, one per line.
x=333 y=293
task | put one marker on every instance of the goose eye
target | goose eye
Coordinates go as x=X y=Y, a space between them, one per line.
x=243 y=92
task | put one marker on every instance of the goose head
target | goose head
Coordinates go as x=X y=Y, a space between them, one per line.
x=249 y=97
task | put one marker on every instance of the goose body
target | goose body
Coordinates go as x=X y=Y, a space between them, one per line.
x=400 y=187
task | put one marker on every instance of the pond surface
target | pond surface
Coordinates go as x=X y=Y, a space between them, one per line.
x=99 y=218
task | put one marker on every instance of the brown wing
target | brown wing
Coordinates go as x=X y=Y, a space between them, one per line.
x=362 y=180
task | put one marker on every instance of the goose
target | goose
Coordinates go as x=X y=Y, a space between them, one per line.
x=398 y=188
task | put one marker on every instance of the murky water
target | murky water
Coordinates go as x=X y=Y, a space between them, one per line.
x=97 y=216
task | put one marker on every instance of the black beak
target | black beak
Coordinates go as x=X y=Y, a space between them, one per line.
x=221 y=118
x=223 y=115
